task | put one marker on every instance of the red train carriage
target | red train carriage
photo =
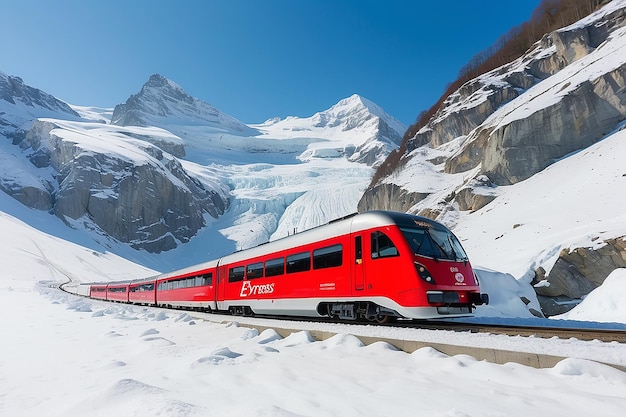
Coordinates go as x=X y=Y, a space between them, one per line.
x=142 y=292
x=98 y=291
x=117 y=292
x=192 y=288
x=373 y=265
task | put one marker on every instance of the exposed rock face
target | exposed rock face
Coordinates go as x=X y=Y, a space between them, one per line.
x=389 y=197
x=151 y=205
x=524 y=147
x=576 y=273
x=477 y=195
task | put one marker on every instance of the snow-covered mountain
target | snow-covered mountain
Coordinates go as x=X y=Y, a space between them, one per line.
x=162 y=172
x=162 y=102
x=502 y=162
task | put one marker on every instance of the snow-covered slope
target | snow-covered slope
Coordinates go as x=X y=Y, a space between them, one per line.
x=63 y=355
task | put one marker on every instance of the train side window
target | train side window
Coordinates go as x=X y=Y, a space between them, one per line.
x=327 y=257
x=236 y=274
x=207 y=279
x=358 y=250
x=254 y=270
x=275 y=267
x=298 y=262
x=382 y=246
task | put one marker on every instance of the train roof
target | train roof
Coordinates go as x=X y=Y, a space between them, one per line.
x=342 y=226
x=345 y=225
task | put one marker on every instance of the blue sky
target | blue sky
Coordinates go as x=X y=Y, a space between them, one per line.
x=253 y=59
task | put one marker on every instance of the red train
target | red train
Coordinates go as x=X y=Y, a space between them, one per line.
x=374 y=266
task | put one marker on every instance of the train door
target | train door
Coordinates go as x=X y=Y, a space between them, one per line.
x=221 y=279
x=359 y=273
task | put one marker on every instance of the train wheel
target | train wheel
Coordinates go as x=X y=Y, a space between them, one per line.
x=332 y=316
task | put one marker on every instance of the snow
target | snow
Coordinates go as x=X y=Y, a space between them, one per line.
x=64 y=355
x=602 y=304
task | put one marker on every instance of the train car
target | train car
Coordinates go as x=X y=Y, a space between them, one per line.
x=191 y=288
x=373 y=266
x=142 y=292
x=117 y=292
x=98 y=291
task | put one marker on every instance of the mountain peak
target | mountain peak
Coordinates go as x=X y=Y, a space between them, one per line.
x=161 y=86
x=356 y=101
x=157 y=80
x=14 y=91
x=352 y=112
x=163 y=103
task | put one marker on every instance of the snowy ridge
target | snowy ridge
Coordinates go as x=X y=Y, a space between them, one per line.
x=20 y=104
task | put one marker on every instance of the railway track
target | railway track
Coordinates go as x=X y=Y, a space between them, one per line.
x=546 y=332
x=542 y=331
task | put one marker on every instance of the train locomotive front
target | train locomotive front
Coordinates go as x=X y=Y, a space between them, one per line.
x=430 y=273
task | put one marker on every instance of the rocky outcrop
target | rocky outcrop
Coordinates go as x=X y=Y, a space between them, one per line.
x=520 y=149
x=39 y=198
x=389 y=197
x=477 y=194
x=456 y=119
x=152 y=205
x=513 y=148
x=576 y=273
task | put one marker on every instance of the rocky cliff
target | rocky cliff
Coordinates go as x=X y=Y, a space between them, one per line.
x=130 y=189
x=502 y=128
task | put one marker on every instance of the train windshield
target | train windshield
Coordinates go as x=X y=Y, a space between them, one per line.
x=434 y=243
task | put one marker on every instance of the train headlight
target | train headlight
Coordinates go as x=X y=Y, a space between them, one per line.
x=424 y=274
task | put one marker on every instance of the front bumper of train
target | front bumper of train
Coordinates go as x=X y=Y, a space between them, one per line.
x=456 y=298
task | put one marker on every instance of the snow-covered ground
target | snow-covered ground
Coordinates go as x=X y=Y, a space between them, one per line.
x=62 y=355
